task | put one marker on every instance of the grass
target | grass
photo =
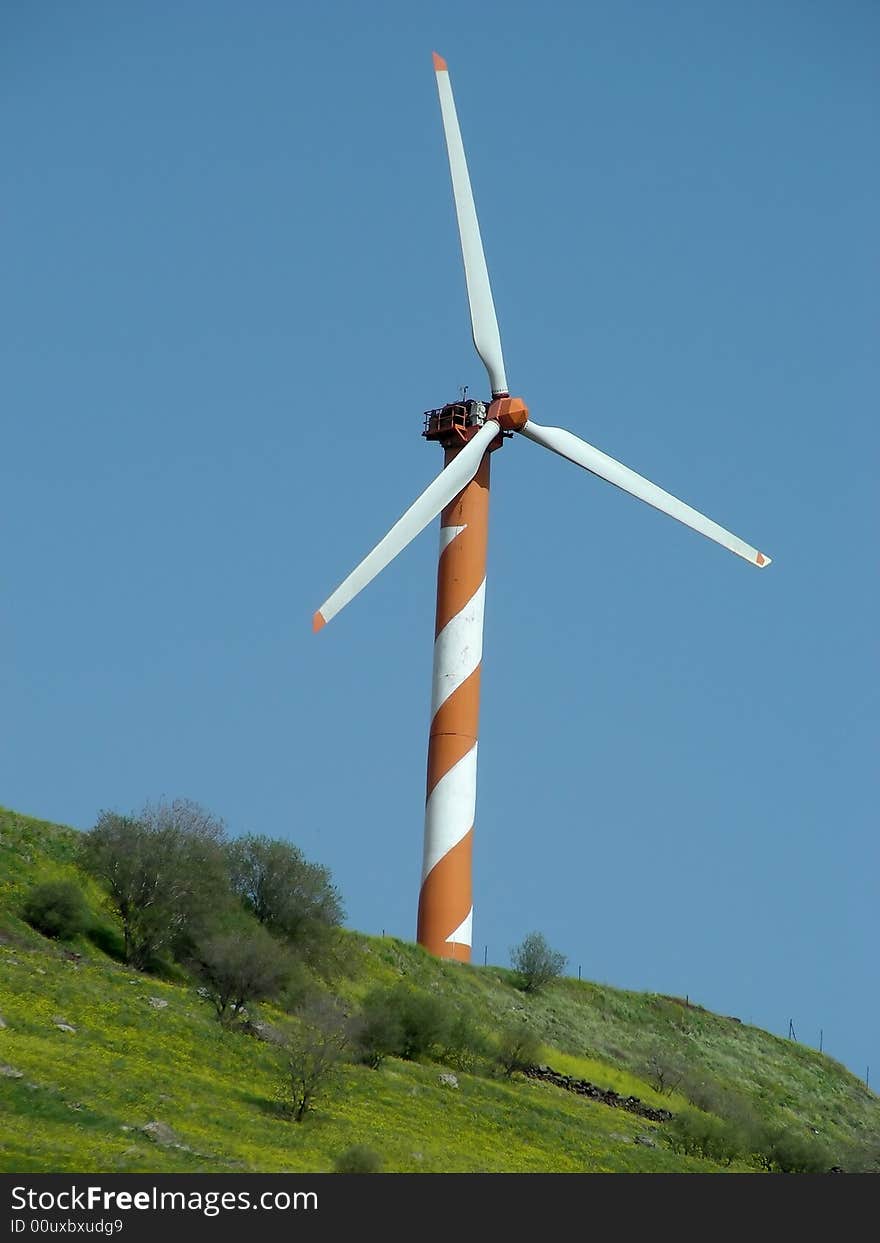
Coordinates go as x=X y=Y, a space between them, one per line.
x=82 y=1098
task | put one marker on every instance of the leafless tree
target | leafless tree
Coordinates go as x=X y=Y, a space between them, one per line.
x=314 y=1047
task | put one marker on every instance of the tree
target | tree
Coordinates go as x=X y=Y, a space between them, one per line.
x=519 y=1047
x=313 y=1048
x=165 y=872
x=238 y=967
x=290 y=896
x=57 y=909
x=377 y=1032
x=536 y=963
x=665 y=1073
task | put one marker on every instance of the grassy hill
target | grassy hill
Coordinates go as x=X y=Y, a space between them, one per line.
x=77 y=1100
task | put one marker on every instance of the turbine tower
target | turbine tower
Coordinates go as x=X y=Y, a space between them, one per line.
x=469 y=431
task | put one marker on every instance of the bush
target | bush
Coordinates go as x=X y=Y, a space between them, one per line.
x=291 y=896
x=240 y=966
x=702 y=1135
x=56 y=908
x=536 y=963
x=409 y=1023
x=377 y=1032
x=519 y=1046
x=108 y=940
x=745 y=1139
x=787 y=1152
x=424 y=1021
x=463 y=1044
x=359 y=1159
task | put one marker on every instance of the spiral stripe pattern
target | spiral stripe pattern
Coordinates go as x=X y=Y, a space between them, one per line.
x=445 y=902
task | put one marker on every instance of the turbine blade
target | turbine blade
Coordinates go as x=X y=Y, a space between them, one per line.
x=435 y=497
x=598 y=463
x=484 y=324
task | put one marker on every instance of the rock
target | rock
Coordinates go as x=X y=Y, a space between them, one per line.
x=158 y=1003
x=160 y=1133
x=66 y=1027
x=623 y=1139
x=2 y=1022
x=41 y=971
x=9 y=1072
x=449 y=1080
x=647 y=1140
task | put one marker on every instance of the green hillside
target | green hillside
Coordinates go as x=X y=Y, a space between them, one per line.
x=78 y=1100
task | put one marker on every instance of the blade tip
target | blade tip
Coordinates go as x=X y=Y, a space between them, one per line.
x=439 y=63
x=762 y=560
x=319 y=621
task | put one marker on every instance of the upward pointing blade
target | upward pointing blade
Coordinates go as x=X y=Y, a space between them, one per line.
x=599 y=463
x=484 y=323
x=435 y=497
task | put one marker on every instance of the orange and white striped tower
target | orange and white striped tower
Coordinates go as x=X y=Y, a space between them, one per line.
x=445 y=901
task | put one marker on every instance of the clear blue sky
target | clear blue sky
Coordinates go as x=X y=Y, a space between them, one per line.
x=231 y=286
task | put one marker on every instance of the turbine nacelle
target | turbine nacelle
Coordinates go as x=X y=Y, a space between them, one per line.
x=510 y=413
x=458 y=421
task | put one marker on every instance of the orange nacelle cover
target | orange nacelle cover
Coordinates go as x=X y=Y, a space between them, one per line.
x=511 y=412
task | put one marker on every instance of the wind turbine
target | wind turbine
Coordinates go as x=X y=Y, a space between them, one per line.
x=469 y=431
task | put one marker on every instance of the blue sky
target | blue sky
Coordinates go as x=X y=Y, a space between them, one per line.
x=232 y=285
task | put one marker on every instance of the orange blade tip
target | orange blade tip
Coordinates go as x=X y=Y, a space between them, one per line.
x=762 y=560
x=439 y=63
x=318 y=621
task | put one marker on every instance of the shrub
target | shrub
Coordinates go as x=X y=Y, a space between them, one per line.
x=377 y=1032
x=359 y=1159
x=463 y=1045
x=409 y=1023
x=424 y=1021
x=291 y=896
x=56 y=908
x=240 y=966
x=787 y=1152
x=108 y=939
x=519 y=1047
x=702 y=1135
x=536 y=963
